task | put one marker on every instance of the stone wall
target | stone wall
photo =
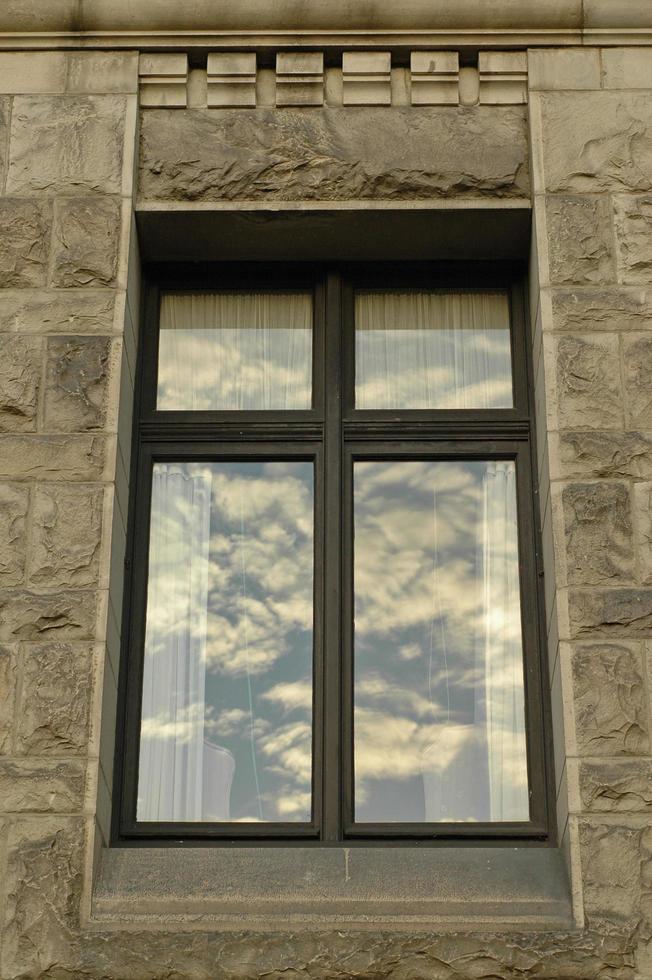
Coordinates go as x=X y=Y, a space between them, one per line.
x=591 y=138
x=67 y=140
x=68 y=309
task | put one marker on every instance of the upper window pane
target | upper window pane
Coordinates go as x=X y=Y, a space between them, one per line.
x=235 y=351
x=432 y=350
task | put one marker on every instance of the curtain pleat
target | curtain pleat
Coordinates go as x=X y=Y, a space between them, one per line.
x=503 y=656
x=170 y=784
x=487 y=778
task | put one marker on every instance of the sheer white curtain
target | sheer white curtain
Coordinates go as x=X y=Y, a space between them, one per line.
x=171 y=766
x=487 y=777
x=432 y=350
x=503 y=648
x=235 y=351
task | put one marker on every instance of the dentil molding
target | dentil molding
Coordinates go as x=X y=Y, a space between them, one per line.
x=232 y=80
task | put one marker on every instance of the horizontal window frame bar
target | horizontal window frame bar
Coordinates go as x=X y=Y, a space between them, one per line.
x=355 y=429
x=229 y=830
x=511 y=830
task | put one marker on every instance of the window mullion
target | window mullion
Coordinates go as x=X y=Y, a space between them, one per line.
x=332 y=700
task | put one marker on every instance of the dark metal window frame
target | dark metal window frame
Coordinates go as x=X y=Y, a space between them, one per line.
x=333 y=434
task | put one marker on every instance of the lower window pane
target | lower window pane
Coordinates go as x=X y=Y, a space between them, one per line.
x=439 y=716
x=226 y=731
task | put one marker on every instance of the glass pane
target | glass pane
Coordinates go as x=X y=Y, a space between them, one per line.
x=226 y=730
x=432 y=350
x=235 y=351
x=439 y=708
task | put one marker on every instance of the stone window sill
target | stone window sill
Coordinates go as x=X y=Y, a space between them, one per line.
x=271 y=888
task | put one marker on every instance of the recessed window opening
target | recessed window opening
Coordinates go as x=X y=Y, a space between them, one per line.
x=333 y=605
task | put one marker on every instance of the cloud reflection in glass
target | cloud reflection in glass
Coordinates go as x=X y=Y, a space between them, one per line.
x=226 y=728
x=235 y=351
x=432 y=350
x=438 y=688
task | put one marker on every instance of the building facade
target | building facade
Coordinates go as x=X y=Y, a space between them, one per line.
x=142 y=145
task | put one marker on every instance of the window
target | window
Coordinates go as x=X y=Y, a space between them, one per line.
x=332 y=605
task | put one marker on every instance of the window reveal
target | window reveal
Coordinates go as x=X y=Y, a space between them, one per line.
x=337 y=623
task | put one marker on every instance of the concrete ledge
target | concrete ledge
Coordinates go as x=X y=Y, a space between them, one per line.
x=325 y=887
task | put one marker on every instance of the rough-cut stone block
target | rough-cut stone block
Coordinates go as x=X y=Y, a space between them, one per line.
x=343 y=154
x=626 y=68
x=7 y=698
x=43 y=888
x=598 y=526
x=642 y=510
x=66 y=145
x=24 y=238
x=579 y=240
x=102 y=72
x=612 y=612
x=65 y=540
x=86 y=239
x=623 y=785
x=77 y=376
x=431 y=954
x=589 y=390
x=42 y=787
x=633 y=224
x=611 y=863
x=54 y=709
x=28 y=616
x=31 y=72
x=637 y=375
x=78 y=312
x=559 y=69
x=14 y=505
x=20 y=381
x=610 y=454
x=609 y=692
x=57 y=457
x=610 y=308
x=598 y=141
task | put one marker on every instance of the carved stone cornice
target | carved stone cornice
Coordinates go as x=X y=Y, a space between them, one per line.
x=335 y=24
